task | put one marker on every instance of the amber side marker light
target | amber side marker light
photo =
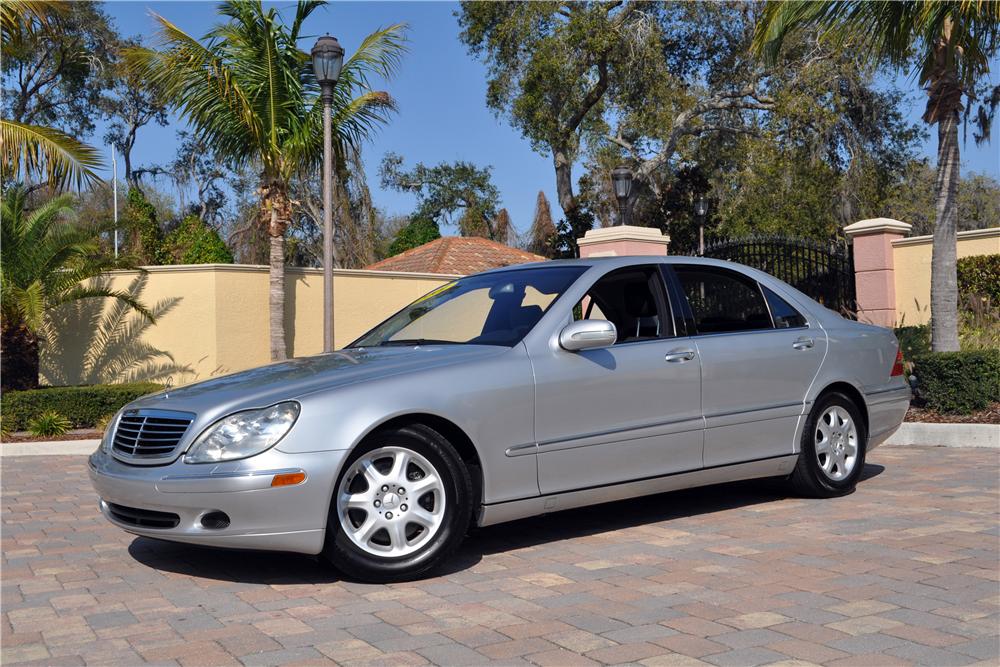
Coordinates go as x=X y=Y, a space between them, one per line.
x=288 y=479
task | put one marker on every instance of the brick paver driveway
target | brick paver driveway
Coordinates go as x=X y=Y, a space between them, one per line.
x=903 y=571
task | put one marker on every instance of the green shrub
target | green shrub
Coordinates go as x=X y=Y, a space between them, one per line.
x=194 y=242
x=49 y=423
x=980 y=275
x=83 y=406
x=417 y=233
x=958 y=382
x=145 y=238
x=914 y=340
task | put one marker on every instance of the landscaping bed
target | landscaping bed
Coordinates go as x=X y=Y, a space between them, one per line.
x=75 y=434
x=51 y=413
x=921 y=413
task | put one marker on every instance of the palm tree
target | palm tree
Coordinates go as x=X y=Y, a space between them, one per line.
x=954 y=42
x=44 y=263
x=250 y=92
x=27 y=150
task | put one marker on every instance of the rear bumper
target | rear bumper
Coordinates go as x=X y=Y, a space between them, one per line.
x=886 y=411
x=286 y=518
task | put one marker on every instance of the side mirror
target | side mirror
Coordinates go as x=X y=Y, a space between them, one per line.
x=587 y=335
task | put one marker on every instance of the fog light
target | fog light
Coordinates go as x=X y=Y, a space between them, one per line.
x=215 y=520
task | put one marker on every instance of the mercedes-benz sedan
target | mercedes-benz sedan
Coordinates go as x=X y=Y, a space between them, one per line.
x=503 y=395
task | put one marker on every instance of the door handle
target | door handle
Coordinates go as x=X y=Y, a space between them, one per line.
x=679 y=356
x=803 y=343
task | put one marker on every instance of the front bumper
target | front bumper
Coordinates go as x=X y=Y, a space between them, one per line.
x=284 y=518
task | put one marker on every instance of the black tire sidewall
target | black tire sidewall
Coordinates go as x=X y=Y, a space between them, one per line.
x=353 y=561
x=808 y=448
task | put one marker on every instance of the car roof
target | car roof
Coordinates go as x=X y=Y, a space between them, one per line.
x=618 y=261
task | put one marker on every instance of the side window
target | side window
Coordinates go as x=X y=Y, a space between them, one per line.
x=784 y=316
x=634 y=300
x=723 y=301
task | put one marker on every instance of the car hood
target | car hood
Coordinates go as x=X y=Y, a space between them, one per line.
x=265 y=385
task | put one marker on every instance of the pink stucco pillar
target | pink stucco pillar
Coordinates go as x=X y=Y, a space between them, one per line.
x=873 y=268
x=623 y=240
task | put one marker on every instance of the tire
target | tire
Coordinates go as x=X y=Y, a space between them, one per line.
x=379 y=530
x=825 y=468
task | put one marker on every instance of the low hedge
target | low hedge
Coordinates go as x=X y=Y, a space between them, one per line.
x=914 y=340
x=958 y=382
x=980 y=275
x=83 y=406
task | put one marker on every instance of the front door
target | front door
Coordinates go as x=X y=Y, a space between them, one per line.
x=626 y=412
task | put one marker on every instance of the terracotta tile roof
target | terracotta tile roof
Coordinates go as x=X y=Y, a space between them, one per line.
x=460 y=255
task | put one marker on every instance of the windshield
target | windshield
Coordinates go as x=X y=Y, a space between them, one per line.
x=488 y=309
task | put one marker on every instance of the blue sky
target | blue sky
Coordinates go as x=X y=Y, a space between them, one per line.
x=441 y=93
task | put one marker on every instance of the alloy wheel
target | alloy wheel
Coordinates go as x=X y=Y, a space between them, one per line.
x=391 y=502
x=836 y=443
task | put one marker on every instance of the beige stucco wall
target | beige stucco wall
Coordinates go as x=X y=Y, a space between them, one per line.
x=219 y=320
x=912 y=269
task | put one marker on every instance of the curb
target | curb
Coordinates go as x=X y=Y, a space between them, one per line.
x=946 y=435
x=49 y=448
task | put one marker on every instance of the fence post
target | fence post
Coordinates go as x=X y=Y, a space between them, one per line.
x=623 y=240
x=874 y=277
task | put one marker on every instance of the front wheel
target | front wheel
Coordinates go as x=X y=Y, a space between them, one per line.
x=832 y=452
x=401 y=506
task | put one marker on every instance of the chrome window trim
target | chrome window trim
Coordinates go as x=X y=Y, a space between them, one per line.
x=760 y=288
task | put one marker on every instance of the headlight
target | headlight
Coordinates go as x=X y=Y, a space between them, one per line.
x=243 y=434
x=109 y=433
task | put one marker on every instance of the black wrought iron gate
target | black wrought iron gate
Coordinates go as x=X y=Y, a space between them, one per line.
x=824 y=271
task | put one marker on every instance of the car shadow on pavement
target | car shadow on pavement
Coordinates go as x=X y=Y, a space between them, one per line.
x=273 y=568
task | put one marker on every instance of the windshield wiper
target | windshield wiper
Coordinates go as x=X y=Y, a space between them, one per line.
x=417 y=341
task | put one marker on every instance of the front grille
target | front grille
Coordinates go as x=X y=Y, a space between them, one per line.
x=143 y=434
x=143 y=518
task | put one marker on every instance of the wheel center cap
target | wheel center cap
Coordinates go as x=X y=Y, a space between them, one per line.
x=390 y=500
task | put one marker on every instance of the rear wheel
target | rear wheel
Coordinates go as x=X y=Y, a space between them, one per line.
x=401 y=506
x=833 y=448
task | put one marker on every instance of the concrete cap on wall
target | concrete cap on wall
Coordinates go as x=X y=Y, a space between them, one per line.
x=623 y=240
x=878 y=226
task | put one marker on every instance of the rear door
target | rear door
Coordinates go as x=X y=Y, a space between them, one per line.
x=759 y=356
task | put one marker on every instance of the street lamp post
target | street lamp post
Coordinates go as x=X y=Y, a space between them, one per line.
x=328 y=59
x=621 y=178
x=700 y=211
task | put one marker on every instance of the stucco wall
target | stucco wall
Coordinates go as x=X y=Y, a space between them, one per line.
x=912 y=269
x=218 y=320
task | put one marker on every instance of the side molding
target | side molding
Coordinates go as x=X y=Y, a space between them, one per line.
x=520 y=509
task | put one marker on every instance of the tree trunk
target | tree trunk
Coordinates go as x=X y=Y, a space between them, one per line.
x=944 y=262
x=276 y=298
x=564 y=181
x=18 y=357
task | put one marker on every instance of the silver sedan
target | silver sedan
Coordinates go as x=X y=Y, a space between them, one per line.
x=503 y=395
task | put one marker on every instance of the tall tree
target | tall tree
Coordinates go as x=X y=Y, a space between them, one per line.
x=953 y=43
x=447 y=190
x=250 y=93
x=130 y=105
x=56 y=70
x=45 y=262
x=29 y=147
x=645 y=78
x=542 y=235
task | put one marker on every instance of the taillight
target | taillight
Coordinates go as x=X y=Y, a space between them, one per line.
x=897 y=367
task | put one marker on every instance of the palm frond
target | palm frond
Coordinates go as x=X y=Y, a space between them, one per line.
x=29 y=150
x=890 y=31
